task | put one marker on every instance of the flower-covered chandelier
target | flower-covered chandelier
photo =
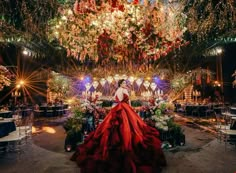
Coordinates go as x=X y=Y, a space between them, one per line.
x=119 y=31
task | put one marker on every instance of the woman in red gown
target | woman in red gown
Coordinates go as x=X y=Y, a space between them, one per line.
x=122 y=143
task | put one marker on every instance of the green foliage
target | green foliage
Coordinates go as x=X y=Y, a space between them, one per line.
x=136 y=103
x=106 y=103
x=180 y=81
x=174 y=128
x=74 y=124
x=162 y=107
x=59 y=84
x=78 y=113
x=158 y=112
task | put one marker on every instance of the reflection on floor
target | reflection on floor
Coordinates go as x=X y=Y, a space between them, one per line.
x=202 y=152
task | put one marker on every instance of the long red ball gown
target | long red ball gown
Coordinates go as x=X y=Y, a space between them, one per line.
x=122 y=143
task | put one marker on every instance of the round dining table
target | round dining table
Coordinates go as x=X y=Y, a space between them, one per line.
x=7 y=125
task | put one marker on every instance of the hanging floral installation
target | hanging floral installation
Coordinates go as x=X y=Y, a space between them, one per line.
x=207 y=21
x=119 y=31
x=4 y=77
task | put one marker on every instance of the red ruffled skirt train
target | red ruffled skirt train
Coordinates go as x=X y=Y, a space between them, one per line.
x=121 y=143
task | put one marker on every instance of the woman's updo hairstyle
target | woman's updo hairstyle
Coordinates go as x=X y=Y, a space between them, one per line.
x=120 y=82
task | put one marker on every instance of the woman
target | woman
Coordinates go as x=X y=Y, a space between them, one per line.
x=121 y=143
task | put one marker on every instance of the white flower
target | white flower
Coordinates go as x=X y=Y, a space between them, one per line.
x=158 y=125
x=165 y=128
x=164 y=122
x=166 y=117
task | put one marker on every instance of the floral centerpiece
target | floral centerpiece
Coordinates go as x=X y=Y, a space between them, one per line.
x=161 y=118
x=73 y=127
x=85 y=118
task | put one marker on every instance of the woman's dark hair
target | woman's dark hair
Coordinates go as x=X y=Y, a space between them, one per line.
x=120 y=82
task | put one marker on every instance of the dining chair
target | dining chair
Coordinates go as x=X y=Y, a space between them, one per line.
x=209 y=111
x=228 y=136
x=221 y=124
x=23 y=133
x=12 y=142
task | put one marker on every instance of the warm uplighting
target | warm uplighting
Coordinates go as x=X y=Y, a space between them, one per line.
x=49 y=130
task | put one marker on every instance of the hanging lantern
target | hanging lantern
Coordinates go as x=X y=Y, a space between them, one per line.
x=124 y=76
x=131 y=79
x=146 y=84
x=158 y=92
x=95 y=84
x=139 y=81
x=109 y=79
x=116 y=77
x=88 y=86
x=153 y=86
x=103 y=81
